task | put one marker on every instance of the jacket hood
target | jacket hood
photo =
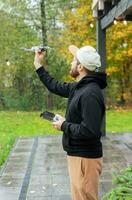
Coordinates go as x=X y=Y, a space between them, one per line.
x=97 y=77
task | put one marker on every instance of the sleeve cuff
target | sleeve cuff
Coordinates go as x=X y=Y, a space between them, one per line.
x=63 y=126
x=40 y=70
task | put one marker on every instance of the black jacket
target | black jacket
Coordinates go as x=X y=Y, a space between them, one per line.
x=84 y=113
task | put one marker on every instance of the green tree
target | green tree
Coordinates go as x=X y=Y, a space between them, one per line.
x=25 y=26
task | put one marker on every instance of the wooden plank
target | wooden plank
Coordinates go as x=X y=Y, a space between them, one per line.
x=121 y=8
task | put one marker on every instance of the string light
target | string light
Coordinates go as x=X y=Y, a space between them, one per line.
x=91 y=25
x=124 y=45
x=8 y=63
x=115 y=22
x=124 y=22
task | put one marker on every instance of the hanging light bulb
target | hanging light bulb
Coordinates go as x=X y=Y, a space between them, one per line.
x=8 y=63
x=124 y=45
x=115 y=22
x=124 y=22
x=91 y=25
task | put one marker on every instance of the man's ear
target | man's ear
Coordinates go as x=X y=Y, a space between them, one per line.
x=80 y=67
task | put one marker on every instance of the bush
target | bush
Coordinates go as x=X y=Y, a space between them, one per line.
x=123 y=189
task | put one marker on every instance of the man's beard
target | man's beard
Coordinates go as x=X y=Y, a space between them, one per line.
x=74 y=73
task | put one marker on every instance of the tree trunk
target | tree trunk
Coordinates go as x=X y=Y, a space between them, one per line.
x=49 y=100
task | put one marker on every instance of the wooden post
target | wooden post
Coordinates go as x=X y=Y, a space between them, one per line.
x=101 y=42
x=101 y=48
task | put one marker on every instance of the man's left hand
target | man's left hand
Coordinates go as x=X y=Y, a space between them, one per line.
x=58 y=123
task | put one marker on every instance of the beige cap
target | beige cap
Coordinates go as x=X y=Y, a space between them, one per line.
x=87 y=56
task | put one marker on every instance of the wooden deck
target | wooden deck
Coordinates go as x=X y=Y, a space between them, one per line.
x=36 y=168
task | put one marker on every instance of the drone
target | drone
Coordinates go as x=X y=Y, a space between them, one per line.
x=40 y=48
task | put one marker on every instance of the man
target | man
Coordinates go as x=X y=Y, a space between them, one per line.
x=84 y=113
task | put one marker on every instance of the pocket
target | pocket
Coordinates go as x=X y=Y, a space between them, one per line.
x=82 y=167
x=100 y=165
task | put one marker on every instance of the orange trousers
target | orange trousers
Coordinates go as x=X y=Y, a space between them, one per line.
x=84 y=176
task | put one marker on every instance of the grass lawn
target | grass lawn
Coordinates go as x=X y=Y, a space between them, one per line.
x=16 y=124
x=119 y=121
